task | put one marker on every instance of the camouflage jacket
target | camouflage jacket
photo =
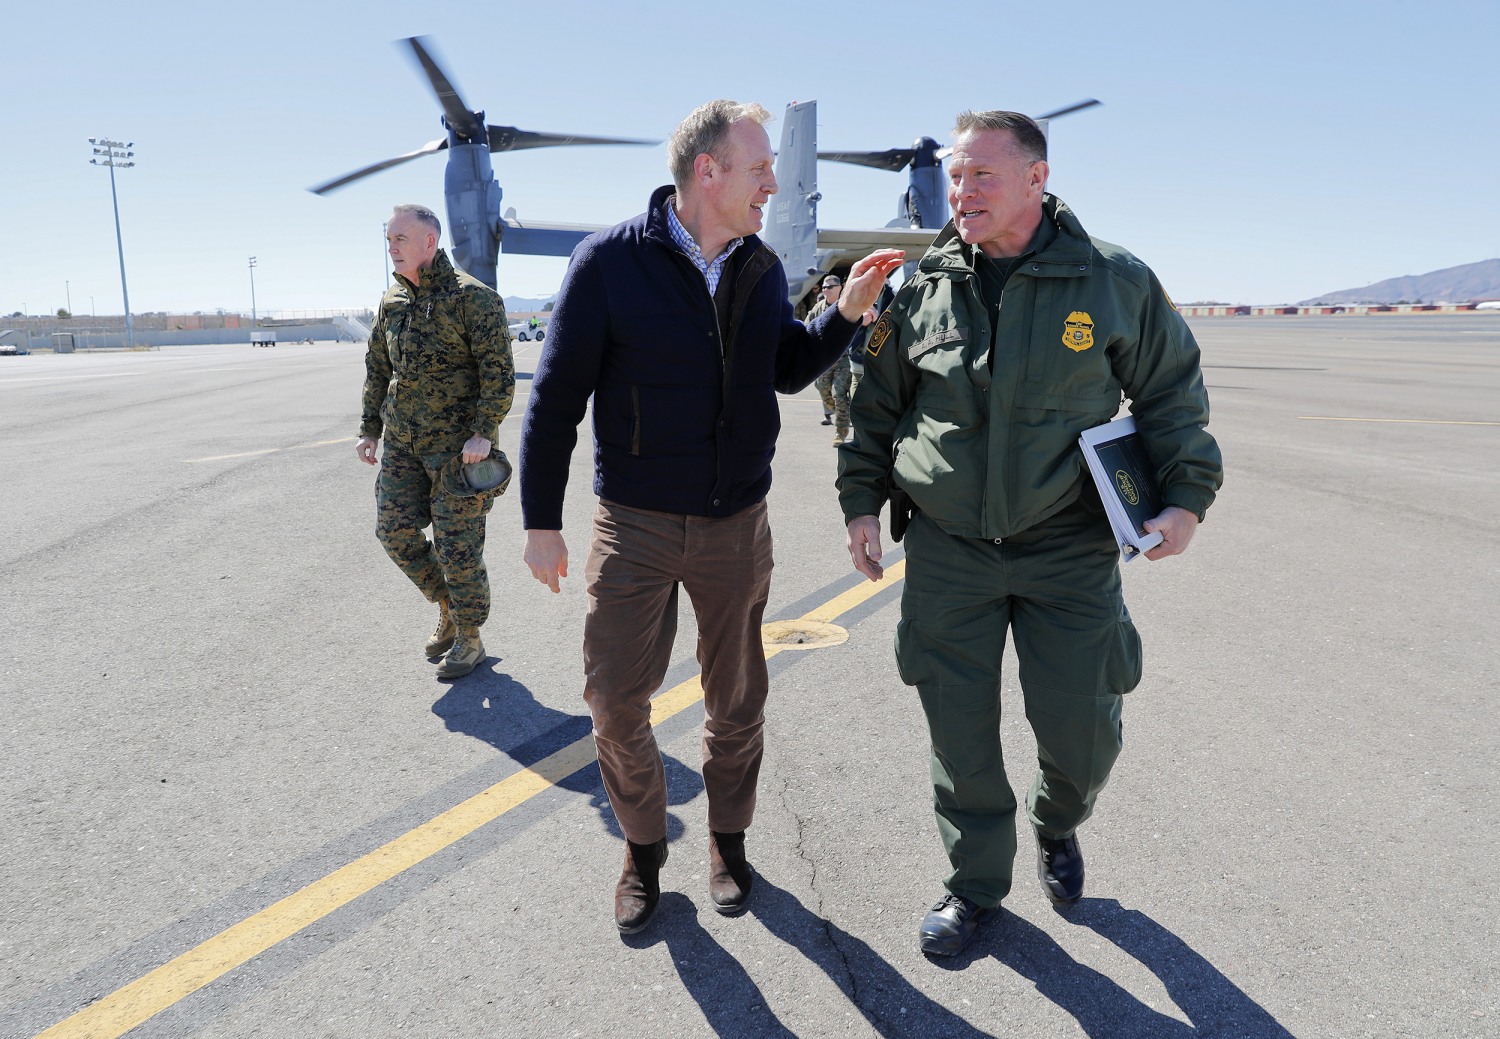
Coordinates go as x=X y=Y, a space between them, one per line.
x=438 y=369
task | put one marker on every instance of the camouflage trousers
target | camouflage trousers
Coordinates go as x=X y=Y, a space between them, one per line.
x=833 y=385
x=409 y=498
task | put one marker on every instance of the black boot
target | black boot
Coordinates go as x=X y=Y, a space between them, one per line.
x=639 y=889
x=729 y=875
x=1059 y=864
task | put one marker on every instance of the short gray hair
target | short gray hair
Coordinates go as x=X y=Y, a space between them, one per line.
x=423 y=216
x=704 y=131
x=1023 y=129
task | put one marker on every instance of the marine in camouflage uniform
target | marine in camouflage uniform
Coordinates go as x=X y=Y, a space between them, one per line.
x=438 y=374
x=834 y=384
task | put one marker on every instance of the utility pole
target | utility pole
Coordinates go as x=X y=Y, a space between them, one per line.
x=252 y=294
x=68 y=288
x=114 y=153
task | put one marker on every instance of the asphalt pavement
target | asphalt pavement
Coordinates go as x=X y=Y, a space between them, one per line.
x=238 y=802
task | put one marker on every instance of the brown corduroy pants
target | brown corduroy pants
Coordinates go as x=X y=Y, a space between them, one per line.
x=636 y=563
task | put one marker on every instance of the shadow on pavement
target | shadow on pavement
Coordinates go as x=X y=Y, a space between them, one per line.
x=889 y=1002
x=493 y=707
x=1213 y=1004
x=730 y=1000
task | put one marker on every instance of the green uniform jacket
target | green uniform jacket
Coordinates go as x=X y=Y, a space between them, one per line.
x=438 y=369
x=987 y=454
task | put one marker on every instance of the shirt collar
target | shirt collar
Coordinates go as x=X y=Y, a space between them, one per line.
x=686 y=244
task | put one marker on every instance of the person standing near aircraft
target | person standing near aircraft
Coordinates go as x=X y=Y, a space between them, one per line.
x=833 y=385
x=980 y=407
x=677 y=323
x=438 y=382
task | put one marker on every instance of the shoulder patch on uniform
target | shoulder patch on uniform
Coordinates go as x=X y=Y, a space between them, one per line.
x=1078 y=331
x=1168 y=299
x=879 y=334
x=937 y=339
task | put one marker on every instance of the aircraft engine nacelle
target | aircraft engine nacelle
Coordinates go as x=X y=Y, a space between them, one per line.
x=927 y=193
x=473 y=199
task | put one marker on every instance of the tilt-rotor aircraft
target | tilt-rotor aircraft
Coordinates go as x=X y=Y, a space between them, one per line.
x=807 y=251
x=924 y=202
x=472 y=193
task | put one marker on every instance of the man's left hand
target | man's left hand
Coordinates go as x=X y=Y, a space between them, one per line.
x=476 y=448
x=1177 y=526
x=866 y=279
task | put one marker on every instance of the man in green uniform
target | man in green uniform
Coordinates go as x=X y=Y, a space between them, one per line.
x=438 y=382
x=973 y=410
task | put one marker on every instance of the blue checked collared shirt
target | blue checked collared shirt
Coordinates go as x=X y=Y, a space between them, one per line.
x=711 y=271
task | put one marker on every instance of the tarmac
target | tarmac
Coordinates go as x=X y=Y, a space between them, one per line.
x=238 y=803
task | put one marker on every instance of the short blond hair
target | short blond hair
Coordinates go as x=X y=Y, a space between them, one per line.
x=704 y=132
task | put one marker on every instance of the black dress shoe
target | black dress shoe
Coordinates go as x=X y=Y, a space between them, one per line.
x=950 y=925
x=1059 y=864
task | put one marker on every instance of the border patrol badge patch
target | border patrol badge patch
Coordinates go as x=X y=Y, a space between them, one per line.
x=1078 y=331
x=879 y=334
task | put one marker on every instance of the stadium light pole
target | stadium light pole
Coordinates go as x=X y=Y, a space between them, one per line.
x=252 y=294
x=114 y=153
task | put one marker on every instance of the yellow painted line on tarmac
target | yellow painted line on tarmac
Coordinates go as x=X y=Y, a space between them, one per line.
x=134 y=1004
x=1404 y=421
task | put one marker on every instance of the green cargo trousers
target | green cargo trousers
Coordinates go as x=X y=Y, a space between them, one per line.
x=408 y=498
x=1057 y=589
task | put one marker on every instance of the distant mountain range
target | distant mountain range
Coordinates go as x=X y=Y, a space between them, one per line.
x=1471 y=282
x=1468 y=283
x=525 y=305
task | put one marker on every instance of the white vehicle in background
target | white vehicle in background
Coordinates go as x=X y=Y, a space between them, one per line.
x=523 y=331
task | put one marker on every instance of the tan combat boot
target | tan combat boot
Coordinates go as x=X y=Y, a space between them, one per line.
x=443 y=637
x=465 y=656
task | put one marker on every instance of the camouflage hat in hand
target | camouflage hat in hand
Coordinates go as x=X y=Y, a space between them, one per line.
x=491 y=474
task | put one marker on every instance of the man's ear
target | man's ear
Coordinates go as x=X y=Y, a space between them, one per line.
x=704 y=167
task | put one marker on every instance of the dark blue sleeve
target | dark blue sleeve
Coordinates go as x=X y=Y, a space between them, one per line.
x=565 y=377
x=807 y=351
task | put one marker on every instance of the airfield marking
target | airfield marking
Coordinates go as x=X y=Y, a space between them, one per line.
x=294 y=447
x=1406 y=421
x=55 y=378
x=270 y=450
x=139 y=1001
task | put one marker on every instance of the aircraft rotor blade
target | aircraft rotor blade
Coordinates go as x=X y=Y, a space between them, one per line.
x=349 y=178
x=460 y=118
x=1090 y=103
x=510 y=139
x=895 y=160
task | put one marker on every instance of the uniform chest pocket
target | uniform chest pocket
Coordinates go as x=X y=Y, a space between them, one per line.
x=1068 y=363
x=944 y=389
x=395 y=332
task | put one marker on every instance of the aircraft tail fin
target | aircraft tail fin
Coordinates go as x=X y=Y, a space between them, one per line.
x=792 y=231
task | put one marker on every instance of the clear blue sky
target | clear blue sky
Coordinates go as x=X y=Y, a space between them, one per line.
x=1252 y=154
